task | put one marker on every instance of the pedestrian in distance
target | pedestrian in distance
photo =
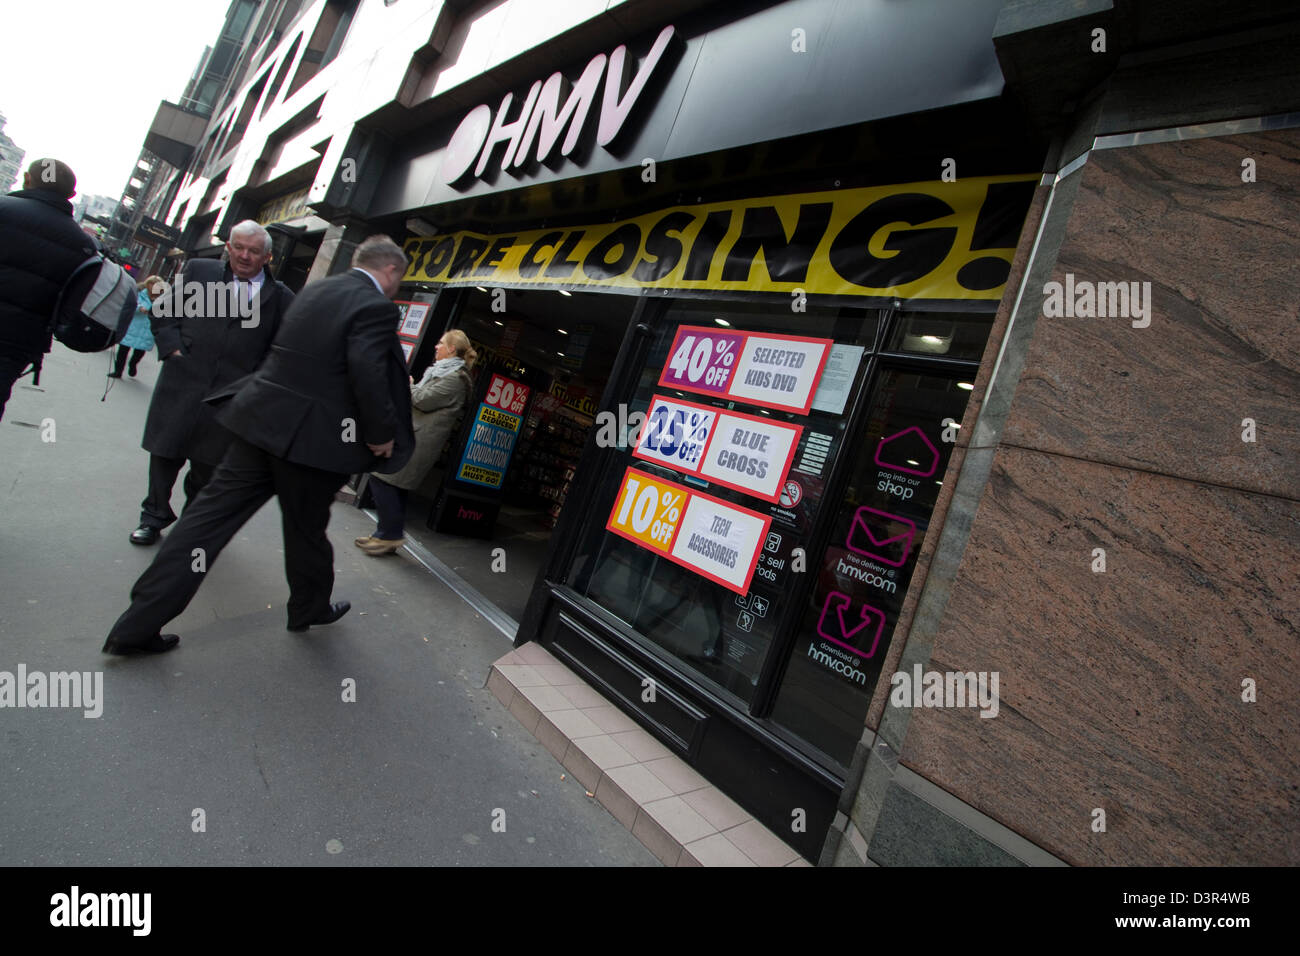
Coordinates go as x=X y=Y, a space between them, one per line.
x=440 y=400
x=332 y=399
x=40 y=247
x=214 y=327
x=139 y=338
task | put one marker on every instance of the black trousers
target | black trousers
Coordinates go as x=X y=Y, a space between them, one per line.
x=246 y=478
x=156 y=509
x=12 y=364
x=390 y=505
x=119 y=360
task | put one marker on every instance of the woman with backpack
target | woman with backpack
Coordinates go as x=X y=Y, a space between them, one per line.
x=139 y=337
x=438 y=401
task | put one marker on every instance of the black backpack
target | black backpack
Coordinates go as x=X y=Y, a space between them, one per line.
x=95 y=306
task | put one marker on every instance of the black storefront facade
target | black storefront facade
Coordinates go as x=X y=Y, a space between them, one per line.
x=804 y=216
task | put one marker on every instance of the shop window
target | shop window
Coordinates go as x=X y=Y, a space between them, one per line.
x=801 y=644
x=951 y=335
x=722 y=635
x=866 y=566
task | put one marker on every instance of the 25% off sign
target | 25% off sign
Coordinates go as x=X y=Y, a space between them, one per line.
x=745 y=452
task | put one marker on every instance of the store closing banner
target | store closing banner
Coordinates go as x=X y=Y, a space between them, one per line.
x=948 y=241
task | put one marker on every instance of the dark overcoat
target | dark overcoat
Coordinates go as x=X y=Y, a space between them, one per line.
x=218 y=347
x=40 y=246
x=334 y=382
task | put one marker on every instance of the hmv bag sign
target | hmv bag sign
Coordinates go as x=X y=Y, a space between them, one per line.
x=543 y=123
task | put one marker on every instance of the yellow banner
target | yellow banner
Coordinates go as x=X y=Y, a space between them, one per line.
x=501 y=419
x=926 y=240
x=284 y=208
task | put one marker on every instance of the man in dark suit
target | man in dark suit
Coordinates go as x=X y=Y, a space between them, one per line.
x=332 y=399
x=214 y=327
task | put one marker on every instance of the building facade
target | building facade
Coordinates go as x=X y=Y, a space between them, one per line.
x=902 y=386
x=11 y=161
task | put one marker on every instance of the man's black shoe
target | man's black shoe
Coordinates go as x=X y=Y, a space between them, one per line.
x=336 y=611
x=145 y=535
x=153 y=645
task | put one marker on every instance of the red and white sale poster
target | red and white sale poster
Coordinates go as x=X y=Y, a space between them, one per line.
x=705 y=534
x=775 y=371
x=746 y=452
x=506 y=394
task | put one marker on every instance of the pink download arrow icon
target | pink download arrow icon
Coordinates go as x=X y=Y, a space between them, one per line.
x=839 y=625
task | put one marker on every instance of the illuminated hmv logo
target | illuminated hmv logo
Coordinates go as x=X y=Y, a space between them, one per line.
x=536 y=131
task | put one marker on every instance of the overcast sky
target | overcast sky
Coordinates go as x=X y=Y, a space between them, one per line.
x=80 y=80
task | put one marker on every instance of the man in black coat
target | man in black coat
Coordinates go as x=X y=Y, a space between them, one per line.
x=214 y=327
x=40 y=246
x=332 y=399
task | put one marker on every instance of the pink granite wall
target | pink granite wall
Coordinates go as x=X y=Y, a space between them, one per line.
x=1123 y=690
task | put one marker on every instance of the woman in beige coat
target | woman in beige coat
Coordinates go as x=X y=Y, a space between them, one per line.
x=438 y=401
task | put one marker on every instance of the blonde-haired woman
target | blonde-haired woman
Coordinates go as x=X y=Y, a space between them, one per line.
x=139 y=337
x=438 y=401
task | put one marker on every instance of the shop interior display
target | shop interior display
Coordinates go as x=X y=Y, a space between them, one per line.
x=549 y=450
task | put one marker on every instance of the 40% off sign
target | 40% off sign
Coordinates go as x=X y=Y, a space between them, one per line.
x=775 y=371
x=702 y=362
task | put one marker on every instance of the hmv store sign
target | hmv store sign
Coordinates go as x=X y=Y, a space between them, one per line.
x=608 y=87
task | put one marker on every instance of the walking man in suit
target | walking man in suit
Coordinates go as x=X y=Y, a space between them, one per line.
x=332 y=399
x=214 y=327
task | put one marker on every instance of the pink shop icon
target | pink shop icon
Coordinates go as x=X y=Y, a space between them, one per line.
x=908 y=451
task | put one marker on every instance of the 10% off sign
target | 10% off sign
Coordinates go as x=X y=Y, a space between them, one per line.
x=648 y=510
x=713 y=538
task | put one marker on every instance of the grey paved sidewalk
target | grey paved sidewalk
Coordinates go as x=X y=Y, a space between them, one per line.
x=246 y=722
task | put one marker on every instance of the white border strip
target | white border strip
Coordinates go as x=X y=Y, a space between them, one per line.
x=1146 y=137
x=1072 y=165
x=498 y=618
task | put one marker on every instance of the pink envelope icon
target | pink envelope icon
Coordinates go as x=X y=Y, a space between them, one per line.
x=889 y=542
